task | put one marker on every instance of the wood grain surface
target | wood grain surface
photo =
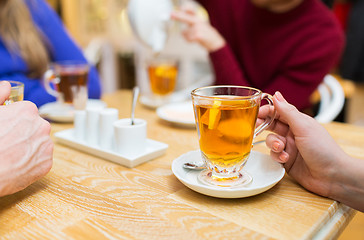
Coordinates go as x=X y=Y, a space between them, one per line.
x=86 y=197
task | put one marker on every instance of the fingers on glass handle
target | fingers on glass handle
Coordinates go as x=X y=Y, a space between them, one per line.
x=269 y=119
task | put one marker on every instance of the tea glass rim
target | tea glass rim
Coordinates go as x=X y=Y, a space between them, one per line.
x=160 y=59
x=257 y=92
x=17 y=84
x=70 y=64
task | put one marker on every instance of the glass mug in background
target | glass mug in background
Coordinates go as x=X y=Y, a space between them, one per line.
x=162 y=72
x=67 y=81
x=16 y=92
x=225 y=118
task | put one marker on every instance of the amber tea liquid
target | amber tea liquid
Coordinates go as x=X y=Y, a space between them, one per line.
x=162 y=78
x=70 y=82
x=226 y=131
x=14 y=97
x=16 y=92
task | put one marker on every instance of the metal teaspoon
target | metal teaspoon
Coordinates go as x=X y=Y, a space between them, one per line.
x=135 y=97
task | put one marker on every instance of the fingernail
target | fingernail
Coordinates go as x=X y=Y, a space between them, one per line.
x=279 y=96
x=283 y=157
x=276 y=146
x=3 y=83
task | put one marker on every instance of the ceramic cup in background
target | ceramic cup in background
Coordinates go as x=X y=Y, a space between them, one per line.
x=130 y=139
x=67 y=81
x=16 y=92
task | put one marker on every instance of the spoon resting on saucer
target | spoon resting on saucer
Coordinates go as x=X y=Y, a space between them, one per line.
x=201 y=165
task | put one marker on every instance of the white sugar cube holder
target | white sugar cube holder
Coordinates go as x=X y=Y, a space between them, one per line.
x=95 y=133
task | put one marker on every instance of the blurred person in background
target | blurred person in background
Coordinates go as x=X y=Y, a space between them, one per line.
x=285 y=45
x=352 y=64
x=311 y=156
x=26 y=148
x=32 y=36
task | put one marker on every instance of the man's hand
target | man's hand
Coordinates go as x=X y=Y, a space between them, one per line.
x=25 y=146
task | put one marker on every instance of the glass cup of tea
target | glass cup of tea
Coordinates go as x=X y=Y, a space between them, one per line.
x=16 y=92
x=226 y=117
x=163 y=73
x=67 y=81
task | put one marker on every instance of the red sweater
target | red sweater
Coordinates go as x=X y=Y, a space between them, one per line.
x=289 y=52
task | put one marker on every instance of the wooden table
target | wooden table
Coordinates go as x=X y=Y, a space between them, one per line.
x=85 y=197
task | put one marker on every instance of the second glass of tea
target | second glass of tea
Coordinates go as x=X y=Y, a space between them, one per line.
x=226 y=117
x=16 y=92
x=162 y=72
x=67 y=81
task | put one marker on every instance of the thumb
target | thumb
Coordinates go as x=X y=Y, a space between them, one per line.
x=5 y=88
x=289 y=113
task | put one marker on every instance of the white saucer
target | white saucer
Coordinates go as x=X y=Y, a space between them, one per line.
x=54 y=111
x=265 y=172
x=180 y=114
x=150 y=102
x=153 y=102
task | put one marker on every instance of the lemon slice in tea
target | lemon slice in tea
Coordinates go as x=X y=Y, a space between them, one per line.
x=214 y=114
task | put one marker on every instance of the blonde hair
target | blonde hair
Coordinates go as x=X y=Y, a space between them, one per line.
x=22 y=37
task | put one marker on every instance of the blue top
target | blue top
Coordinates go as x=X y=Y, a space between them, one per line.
x=62 y=47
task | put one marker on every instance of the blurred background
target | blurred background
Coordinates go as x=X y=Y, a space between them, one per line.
x=102 y=29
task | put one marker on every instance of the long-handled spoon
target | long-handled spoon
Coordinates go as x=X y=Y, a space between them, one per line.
x=135 y=98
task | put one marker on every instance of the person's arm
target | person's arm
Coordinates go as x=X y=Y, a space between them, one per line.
x=312 y=157
x=309 y=62
x=298 y=76
x=348 y=186
x=224 y=63
x=61 y=45
x=26 y=148
x=227 y=69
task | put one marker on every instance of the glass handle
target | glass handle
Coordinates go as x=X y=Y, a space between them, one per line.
x=50 y=78
x=268 y=120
